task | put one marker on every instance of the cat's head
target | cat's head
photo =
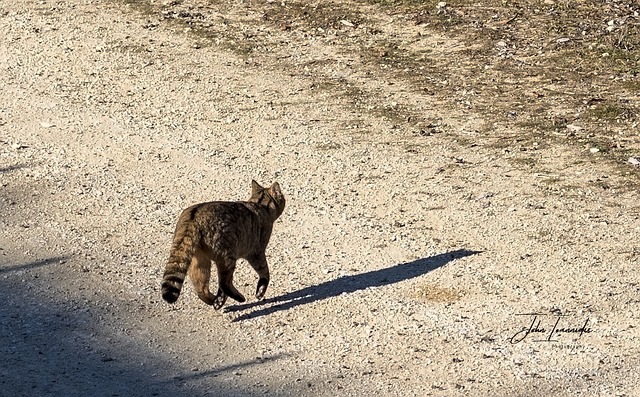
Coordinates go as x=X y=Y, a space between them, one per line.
x=270 y=197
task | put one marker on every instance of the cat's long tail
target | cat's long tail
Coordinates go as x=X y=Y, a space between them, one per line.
x=185 y=241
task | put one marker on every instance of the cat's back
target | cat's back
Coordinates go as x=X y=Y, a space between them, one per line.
x=226 y=226
x=219 y=213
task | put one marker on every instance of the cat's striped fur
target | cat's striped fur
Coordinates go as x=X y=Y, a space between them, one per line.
x=222 y=232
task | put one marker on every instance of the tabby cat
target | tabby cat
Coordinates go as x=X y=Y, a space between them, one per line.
x=222 y=232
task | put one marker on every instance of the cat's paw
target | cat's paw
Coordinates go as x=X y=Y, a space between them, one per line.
x=263 y=283
x=219 y=301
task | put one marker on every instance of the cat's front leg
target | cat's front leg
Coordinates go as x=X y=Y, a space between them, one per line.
x=263 y=283
x=259 y=264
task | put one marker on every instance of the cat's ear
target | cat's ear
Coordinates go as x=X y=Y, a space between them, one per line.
x=275 y=189
x=255 y=187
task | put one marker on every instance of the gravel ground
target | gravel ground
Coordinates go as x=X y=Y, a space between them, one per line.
x=404 y=264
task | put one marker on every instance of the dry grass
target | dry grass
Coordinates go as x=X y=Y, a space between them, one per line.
x=557 y=71
x=434 y=293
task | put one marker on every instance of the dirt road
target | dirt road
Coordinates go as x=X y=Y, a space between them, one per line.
x=415 y=257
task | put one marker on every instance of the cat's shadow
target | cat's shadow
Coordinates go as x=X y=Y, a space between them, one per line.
x=348 y=284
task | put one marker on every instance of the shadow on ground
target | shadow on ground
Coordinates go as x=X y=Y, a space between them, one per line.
x=13 y=167
x=56 y=342
x=349 y=284
x=32 y=265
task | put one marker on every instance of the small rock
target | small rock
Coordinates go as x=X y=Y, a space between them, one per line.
x=634 y=161
x=611 y=25
x=594 y=150
x=347 y=23
x=45 y=124
x=563 y=40
x=573 y=128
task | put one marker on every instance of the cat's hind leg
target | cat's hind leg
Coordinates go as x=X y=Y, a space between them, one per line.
x=200 y=274
x=220 y=299
x=259 y=264
x=226 y=267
